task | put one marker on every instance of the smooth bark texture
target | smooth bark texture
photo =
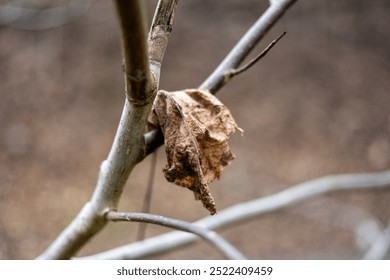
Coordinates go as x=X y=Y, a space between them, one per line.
x=228 y=250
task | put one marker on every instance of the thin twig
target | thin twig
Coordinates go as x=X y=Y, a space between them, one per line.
x=234 y=72
x=246 y=44
x=249 y=210
x=148 y=196
x=228 y=250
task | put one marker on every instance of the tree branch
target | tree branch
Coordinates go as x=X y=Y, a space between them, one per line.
x=129 y=146
x=228 y=250
x=249 y=210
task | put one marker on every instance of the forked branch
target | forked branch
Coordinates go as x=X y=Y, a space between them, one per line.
x=142 y=63
x=248 y=210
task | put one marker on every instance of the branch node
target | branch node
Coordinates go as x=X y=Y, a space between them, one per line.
x=149 y=97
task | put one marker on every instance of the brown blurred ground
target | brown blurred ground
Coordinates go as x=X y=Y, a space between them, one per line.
x=316 y=105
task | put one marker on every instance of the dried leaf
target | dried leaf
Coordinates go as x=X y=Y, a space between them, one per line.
x=196 y=128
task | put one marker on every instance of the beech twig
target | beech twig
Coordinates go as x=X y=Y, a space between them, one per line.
x=228 y=250
x=249 y=210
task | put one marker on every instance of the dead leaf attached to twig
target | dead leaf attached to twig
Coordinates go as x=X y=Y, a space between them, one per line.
x=196 y=128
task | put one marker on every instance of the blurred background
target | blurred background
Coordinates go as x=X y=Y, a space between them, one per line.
x=317 y=104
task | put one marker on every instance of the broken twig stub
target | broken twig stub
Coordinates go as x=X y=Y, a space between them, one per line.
x=196 y=128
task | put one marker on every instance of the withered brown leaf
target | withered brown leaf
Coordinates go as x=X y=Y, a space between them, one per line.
x=196 y=128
